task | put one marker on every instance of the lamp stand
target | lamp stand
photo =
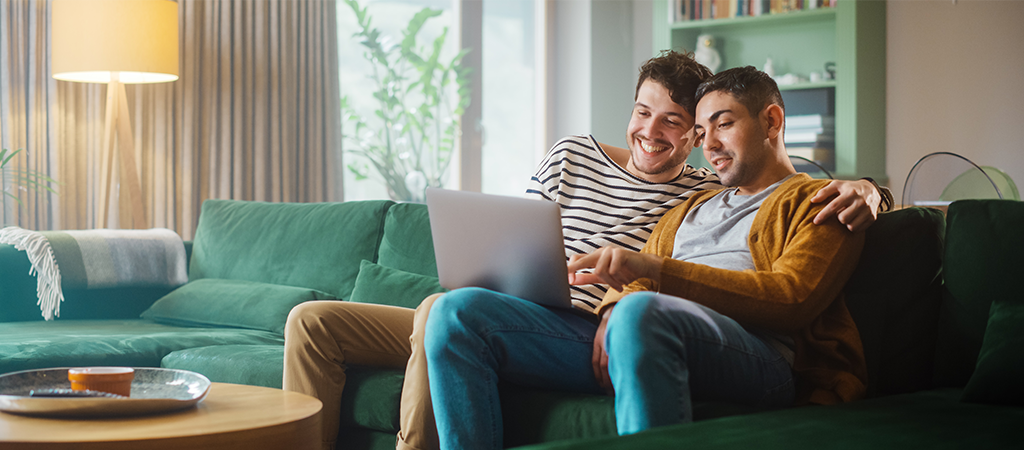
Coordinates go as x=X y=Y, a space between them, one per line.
x=117 y=118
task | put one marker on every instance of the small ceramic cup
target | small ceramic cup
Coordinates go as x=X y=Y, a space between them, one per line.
x=115 y=380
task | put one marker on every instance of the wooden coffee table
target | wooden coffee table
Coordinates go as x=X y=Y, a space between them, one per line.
x=232 y=416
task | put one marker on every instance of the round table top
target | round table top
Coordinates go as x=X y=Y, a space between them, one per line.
x=231 y=416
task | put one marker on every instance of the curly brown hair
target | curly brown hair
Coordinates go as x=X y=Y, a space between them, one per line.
x=677 y=72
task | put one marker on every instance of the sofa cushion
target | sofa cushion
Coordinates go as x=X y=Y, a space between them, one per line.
x=387 y=286
x=137 y=343
x=999 y=377
x=366 y=439
x=256 y=365
x=314 y=245
x=893 y=296
x=984 y=244
x=926 y=420
x=539 y=415
x=407 y=244
x=371 y=398
x=231 y=303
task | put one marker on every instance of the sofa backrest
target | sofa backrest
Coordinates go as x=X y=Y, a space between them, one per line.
x=311 y=245
x=984 y=245
x=894 y=299
x=18 y=297
x=407 y=244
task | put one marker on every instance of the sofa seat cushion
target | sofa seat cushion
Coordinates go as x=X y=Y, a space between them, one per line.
x=927 y=419
x=313 y=245
x=252 y=364
x=136 y=343
x=539 y=415
x=372 y=397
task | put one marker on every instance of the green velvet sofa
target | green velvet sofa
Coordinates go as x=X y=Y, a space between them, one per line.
x=251 y=262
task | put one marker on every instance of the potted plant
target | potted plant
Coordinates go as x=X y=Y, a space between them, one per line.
x=14 y=178
x=409 y=138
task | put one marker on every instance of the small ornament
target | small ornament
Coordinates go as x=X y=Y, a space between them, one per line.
x=769 y=68
x=706 y=53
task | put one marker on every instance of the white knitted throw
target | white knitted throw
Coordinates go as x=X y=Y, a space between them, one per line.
x=44 y=267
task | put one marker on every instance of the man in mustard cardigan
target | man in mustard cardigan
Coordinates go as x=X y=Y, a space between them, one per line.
x=737 y=294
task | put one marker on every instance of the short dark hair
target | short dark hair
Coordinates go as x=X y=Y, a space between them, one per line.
x=751 y=88
x=677 y=72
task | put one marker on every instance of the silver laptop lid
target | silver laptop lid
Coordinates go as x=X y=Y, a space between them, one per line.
x=507 y=244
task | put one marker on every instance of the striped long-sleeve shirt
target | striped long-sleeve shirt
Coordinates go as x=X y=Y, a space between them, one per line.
x=604 y=205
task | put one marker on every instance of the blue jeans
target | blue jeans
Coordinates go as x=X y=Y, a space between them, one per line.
x=474 y=337
x=664 y=352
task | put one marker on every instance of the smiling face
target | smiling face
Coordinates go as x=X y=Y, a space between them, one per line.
x=736 y=142
x=660 y=135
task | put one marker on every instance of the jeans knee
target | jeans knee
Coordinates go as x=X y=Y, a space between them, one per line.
x=634 y=312
x=452 y=314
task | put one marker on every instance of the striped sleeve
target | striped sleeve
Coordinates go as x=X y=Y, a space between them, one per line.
x=602 y=204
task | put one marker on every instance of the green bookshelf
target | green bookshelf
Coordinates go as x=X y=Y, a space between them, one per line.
x=852 y=35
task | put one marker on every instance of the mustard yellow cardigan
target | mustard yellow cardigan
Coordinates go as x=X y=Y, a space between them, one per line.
x=795 y=291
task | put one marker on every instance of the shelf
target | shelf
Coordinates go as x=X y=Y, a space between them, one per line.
x=801 y=86
x=791 y=17
x=849 y=38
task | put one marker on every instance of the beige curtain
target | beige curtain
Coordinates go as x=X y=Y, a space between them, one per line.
x=254 y=115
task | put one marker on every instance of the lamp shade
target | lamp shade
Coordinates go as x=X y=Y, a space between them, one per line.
x=93 y=39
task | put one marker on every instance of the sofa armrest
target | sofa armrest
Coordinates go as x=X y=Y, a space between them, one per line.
x=18 y=294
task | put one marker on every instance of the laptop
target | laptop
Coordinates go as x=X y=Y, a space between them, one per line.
x=506 y=244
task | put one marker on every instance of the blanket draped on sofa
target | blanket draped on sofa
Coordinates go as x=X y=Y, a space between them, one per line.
x=93 y=259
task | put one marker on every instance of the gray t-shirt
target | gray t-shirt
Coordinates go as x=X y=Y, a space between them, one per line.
x=715 y=234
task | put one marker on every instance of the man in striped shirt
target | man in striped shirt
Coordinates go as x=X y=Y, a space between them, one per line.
x=609 y=198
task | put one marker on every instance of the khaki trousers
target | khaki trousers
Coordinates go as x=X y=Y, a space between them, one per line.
x=323 y=337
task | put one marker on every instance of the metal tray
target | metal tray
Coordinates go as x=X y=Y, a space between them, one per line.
x=154 y=390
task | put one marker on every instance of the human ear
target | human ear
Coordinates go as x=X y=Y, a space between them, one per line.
x=773 y=119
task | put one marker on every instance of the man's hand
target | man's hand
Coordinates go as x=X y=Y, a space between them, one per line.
x=615 y=267
x=855 y=205
x=600 y=357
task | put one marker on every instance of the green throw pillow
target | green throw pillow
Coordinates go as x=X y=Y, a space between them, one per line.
x=999 y=376
x=387 y=286
x=231 y=303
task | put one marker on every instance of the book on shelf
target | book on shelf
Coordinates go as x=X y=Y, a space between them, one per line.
x=809 y=121
x=824 y=157
x=811 y=136
x=807 y=136
x=821 y=156
x=686 y=10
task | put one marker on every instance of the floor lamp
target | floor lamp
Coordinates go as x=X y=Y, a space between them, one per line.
x=116 y=42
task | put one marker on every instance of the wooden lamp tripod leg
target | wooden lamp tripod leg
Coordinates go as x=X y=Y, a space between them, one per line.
x=117 y=116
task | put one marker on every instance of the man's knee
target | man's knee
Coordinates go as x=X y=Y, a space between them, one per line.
x=305 y=317
x=455 y=313
x=649 y=317
x=635 y=312
x=423 y=310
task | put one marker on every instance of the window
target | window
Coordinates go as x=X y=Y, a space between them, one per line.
x=504 y=121
x=509 y=144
